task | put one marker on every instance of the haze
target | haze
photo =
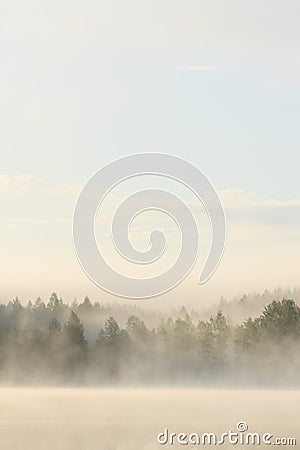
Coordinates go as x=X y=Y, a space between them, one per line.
x=87 y=82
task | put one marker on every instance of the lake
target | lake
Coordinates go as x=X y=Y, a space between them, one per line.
x=131 y=419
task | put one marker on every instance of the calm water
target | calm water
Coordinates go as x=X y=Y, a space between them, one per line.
x=113 y=419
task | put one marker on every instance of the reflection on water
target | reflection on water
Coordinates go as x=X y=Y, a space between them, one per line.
x=113 y=419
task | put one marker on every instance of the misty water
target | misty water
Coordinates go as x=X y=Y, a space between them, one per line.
x=131 y=419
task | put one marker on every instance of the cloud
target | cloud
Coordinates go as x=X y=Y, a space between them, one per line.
x=29 y=202
x=242 y=199
x=201 y=68
x=247 y=207
x=28 y=223
x=26 y=185
x=11 y=182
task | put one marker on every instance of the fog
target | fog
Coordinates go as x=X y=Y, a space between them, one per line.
x=131 y=419
x=89 y=344
x=89 y=376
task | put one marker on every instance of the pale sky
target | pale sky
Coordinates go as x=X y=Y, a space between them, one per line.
x=85 y=82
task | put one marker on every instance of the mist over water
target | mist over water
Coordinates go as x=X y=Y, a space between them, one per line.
x=84 y=345
x=131 y=419
x=117 y=384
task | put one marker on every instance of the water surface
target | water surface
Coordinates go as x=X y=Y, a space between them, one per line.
x=131 y=419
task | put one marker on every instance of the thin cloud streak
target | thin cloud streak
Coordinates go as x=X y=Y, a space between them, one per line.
x=201 y=68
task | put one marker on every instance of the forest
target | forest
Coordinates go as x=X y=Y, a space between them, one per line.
x=88 y=343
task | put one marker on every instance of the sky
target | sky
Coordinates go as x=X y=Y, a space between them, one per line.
x=86 y=82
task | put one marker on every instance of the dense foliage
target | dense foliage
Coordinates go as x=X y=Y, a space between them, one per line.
x=57 y=343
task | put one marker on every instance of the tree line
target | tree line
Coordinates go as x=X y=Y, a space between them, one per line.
x=56 y=343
